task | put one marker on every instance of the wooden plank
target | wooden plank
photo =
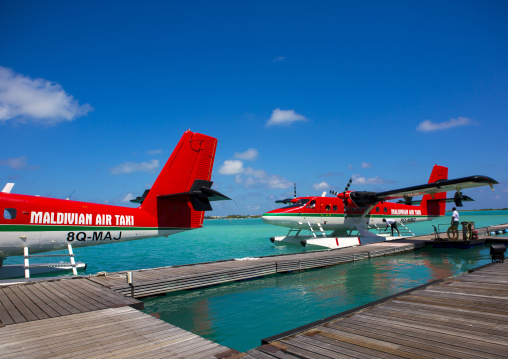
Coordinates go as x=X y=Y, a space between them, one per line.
x=5 y=318
x=39 y=293
x=394 y=346
x=323 y=348
x=75 y=297
x=40 y=303
x=135 y=333
x=30 y=305
x=58 y=297
x=432 y=318
x=351 y=349
x=457 y=344
x=11 y=308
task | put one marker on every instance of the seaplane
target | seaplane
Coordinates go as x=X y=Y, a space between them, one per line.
x=175 y=203
x=359 y=217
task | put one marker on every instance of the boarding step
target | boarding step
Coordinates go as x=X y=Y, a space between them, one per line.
x=403 y=230
x=72 y=265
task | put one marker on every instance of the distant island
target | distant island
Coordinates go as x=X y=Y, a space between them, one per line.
x=233 y=216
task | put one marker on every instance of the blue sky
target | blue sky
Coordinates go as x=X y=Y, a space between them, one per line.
x=95 y=95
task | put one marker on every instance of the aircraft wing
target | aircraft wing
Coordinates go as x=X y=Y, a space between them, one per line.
x=438 y=186
x=463 y=198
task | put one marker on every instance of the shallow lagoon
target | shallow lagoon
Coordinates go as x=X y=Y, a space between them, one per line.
x=240 y=314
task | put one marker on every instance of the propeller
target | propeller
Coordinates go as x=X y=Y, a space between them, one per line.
x=287 y=200
x=343 y=197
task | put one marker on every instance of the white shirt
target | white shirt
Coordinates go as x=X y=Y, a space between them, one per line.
x=455 y=216
x=390 y=221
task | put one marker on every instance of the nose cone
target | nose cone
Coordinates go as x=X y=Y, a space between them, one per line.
x=266 y=218
x=269 y=217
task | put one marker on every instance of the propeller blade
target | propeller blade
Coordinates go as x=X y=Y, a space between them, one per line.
x=348 y=184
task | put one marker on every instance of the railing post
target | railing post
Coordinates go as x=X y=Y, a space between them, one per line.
x=73 y=262
x=27 y=263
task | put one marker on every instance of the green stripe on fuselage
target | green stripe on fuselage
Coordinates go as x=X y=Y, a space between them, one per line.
x=66 y=228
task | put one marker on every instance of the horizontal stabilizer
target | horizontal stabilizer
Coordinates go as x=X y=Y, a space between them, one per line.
x=140 y=199
x=199 y=195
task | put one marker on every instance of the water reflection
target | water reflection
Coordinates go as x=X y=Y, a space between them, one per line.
x=240 y=314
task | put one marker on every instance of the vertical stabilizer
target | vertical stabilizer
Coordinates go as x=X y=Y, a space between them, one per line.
x=435 y=203
x=169 y=197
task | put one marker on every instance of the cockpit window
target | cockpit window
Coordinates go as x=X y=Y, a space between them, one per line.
x=299 y=203
x=312 y=204
x=10 y=213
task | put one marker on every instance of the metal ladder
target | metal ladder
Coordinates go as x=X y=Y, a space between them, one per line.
x=27 y=264
x=404 y=231
x=320 y=228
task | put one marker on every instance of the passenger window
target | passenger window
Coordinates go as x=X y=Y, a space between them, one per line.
x=10 y=213
x=334 y=208
x=312 y=204
x=377 y=209
x=384 y=209
x=327 y=207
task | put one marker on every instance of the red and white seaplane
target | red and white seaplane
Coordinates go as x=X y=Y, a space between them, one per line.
x=175 y=203
x=350 y=215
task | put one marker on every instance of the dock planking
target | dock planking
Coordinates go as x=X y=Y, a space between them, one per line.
x=463 y=317
x=114 y=332
x=39 y=300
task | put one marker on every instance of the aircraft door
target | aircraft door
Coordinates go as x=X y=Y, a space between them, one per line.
x=14 y=241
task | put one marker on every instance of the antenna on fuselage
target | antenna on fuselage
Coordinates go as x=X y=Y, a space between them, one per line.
x=70 y=195
x=295 y=190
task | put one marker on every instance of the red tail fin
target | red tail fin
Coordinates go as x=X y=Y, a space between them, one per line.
x=434 y=204
x=169 y=198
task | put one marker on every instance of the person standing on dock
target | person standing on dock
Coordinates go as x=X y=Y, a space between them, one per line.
x=455 y=218
x=392 y=223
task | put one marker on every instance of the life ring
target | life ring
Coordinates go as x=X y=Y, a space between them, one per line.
x=453 y=233
x=468 y=232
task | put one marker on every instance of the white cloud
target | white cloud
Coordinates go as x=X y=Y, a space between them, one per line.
x=284 y=118
x=38 y=100
x=350 y=166
x=249 y=155
x=366 y=165
x=357 y=179
x=279 y=59
x=154 y=152
x=17 y=163
x=129 y=167
x=261 y=178
x=428 y=126
x=251 y=177
x=127 y=198
x=321 y=186
x=231 y=167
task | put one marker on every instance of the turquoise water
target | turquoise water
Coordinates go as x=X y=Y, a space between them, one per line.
x=240 y=314
x=220 y=239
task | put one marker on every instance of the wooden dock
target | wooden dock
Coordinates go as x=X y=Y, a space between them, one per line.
x=157 y=281
x=463 y=317
x=56 y=298
x=77 y=318
x=108 y=333
x=95 y=317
